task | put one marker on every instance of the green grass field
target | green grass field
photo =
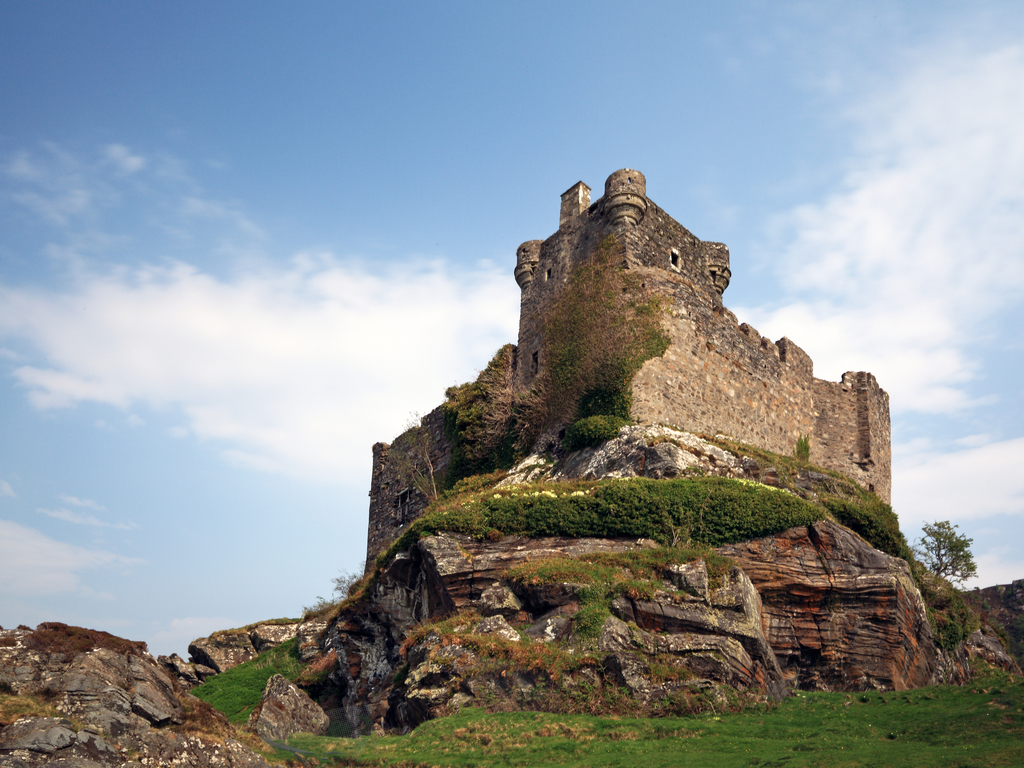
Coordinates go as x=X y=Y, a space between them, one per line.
x=978 y=725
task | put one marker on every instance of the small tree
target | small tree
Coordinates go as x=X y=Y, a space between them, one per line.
x=413 y=459
x=946 y=553
x=803 y=448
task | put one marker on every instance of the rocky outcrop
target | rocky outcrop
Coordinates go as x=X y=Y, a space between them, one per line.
x=226 y=649
x=266 y=636
x=187 y=674
x=222 y=650
x=839 y=614
x=639 y=451
x=990 y=649
x=714 y=635
x=285 y=709
x=717 y=633
x=115 y=698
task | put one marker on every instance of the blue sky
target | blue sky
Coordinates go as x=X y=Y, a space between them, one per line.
x=239 y=244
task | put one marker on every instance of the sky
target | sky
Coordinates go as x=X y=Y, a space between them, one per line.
x=242 y=242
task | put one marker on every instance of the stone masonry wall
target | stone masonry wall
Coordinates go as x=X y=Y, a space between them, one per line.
x=851 y=431
x=394 y=500
x=722 y=377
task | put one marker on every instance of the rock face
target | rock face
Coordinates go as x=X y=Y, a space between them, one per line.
x=989 y=649
x=222 y=651
x=639 y=451
x=839 y=614
x=715 y=635
x=284 y=709
x=813 y=608
x=120 y=694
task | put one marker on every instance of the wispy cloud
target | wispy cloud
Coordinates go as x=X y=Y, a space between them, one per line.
x=77 y=502
x=80 y=518
x=967 y=484
x=6 y=490
x=31 y=563
x=124 y=159
x=899 y=270
x=296 y=370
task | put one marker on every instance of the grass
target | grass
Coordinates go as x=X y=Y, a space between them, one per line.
x=236 y=693
x=979 y=725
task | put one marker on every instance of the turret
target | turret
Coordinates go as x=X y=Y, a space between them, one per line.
x=625 y=197
x=716 y=263
x=527 y=257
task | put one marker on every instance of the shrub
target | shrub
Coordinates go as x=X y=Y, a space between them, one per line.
x=593 y=430
x=709 y=510
x=480 y=421
x=873 y=520
x=803 y=448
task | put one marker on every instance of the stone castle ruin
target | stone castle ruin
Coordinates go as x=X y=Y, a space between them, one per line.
x=718 y=376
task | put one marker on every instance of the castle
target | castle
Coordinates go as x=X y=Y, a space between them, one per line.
x=718 y=375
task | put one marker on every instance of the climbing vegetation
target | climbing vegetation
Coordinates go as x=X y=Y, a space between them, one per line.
x=602 y=328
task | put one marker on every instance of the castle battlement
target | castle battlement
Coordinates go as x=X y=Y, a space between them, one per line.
x=717 y=376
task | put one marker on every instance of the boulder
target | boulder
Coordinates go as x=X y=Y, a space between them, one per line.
x=839 y=614
x=266 y=636
x=123 y=697
x=310 y=638
x=285 y=709
x=222 y=650
x=990 y=649
x=638 y=451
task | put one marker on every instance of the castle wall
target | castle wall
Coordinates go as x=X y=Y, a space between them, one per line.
x=852 y=430
x=394 y=500
x=722 y=377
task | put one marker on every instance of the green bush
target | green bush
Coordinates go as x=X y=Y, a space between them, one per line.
x=873 y=520
x=708 y=510
x=480 y=421
x=803 y=448
x=606 y=401
x=591 y=431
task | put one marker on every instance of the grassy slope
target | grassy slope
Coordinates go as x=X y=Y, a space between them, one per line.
x=236 y=692
x=981 y=725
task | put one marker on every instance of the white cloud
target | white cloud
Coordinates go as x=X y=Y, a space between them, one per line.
x=178 y=633
x=298 y=370
x=123 y=159
x=79 y=518
x=6 y=490
x=31 y=563
x=968 y=484
x=77 y=502
x=898 y=272
x=997 y=566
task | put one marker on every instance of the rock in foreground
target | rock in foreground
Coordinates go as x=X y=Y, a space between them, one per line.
x=122 y=699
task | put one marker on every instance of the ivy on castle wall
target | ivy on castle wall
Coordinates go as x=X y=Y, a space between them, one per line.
x=598 y=333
